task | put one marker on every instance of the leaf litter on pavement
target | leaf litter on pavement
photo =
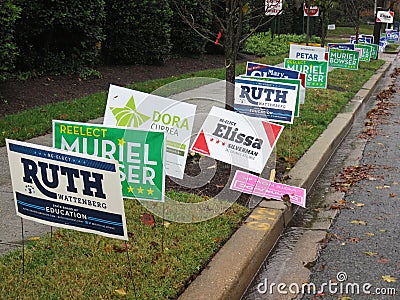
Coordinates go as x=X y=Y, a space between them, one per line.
x=351 y=175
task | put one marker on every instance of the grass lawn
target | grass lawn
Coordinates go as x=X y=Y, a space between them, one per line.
x=162 y=257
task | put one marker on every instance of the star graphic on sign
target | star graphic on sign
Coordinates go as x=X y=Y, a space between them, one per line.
x=130 y=189
x=121 y=141
x=150 y=191
x=140 y=190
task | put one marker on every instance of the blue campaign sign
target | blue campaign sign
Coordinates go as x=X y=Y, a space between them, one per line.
x=267 y=71
x=265 y=99
x=69 y=190
x=392 y=36
x=362 y=39
x=342 y=46
x=261 y=70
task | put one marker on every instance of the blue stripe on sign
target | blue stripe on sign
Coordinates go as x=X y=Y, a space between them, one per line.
x=87 y=162
x=104 y=221
x=31 y=205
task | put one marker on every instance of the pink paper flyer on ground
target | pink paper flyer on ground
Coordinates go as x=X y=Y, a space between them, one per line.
x=255 y=185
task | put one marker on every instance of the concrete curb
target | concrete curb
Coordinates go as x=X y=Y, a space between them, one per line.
x=234 y=266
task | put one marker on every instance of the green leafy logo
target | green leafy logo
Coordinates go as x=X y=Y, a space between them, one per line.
x=128 y=116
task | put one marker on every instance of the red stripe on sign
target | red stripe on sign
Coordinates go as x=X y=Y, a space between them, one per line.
x=273 y=131
x=200 y=145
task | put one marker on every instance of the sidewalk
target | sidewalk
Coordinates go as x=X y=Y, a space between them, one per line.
x=235 y=264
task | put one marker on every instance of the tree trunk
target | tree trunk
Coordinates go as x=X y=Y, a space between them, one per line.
x=234 y=22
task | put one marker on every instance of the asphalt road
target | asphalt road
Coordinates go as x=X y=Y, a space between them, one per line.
x=362 y=258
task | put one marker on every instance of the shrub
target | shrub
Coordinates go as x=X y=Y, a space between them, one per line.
x=59 y=36
x=137 y=32
x=8 y=50
x=262 y=44
x=183 y=38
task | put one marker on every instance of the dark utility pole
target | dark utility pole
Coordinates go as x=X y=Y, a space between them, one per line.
x=378 y=25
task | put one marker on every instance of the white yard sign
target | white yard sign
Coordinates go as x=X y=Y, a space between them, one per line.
x=273 y=7
x=306 y=52
x=138 y=110
x=237 y=139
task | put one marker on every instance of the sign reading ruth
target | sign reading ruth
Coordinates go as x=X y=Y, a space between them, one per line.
x=237 y=139
x=140 y=154
x=273 y=99
x=68 y=190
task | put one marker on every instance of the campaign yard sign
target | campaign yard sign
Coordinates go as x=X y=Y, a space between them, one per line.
x=282 y=80
x=392 y=36
x=366 y=51
x=138 y=110
x=383 y=16
x=140 y=154
x=68 y=190
x=342 y=46
x=266 y=98
x=237 y=139
x=316 y=71
x=344 y=59
x=306 y=52
x=267 y=71
x=273 y=7
x=258 y=186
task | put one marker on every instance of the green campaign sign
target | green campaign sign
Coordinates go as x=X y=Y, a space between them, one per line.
x=344 y=59
x=374 y=50
x=316 y=71
x=140 y=154
x=366 y=51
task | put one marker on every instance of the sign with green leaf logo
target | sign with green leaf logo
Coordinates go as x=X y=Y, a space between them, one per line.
x=140 y=154
x=137 y=110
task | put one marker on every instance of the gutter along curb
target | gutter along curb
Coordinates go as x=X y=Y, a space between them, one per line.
x=237 y=262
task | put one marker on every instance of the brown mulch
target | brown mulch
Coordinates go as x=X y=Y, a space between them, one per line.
x=17 y=95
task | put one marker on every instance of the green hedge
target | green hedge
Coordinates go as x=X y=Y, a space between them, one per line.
x=59 y=36
x=137 y=32
x=8 y=50
x=185 y=41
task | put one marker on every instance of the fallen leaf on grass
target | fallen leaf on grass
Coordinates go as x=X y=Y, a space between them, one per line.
x=120 y=292
x=389 y=278
x=120 y=248
x=148 y=220
x=359 y=222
